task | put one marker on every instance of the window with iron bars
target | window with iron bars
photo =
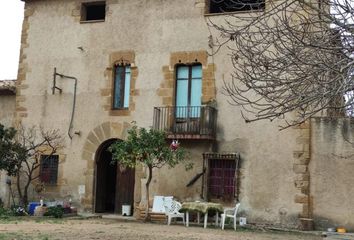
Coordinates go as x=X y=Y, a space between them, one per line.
x=223 y=176
x=220 y=6
x=49 y=169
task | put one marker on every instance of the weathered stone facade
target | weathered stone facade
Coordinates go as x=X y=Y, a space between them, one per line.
x=7 y=110
x=275 y=175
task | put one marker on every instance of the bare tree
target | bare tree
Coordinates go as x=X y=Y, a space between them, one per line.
x=293 y=56
x=22 y=151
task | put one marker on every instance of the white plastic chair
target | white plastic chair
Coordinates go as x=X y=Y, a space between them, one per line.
x=172 y=208
x=229 y=213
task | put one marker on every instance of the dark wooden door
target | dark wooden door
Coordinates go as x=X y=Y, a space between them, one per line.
x=105 y=183
x=125 y=188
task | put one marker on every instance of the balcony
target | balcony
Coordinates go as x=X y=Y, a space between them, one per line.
x=186 y=122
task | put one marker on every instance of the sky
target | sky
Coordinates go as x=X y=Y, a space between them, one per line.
x=11 y=16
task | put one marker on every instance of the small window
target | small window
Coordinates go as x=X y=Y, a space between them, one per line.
x=93 y=11
x=220 y=6
x=49 y=169
x=121 y=92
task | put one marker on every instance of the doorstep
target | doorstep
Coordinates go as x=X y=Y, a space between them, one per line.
x=338 y=236
x=118 y=217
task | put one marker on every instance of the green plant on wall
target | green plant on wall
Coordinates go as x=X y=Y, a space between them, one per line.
x=148 y=147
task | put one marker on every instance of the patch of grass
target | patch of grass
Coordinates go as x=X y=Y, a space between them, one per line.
x=22 y=236
x=12 y=235
x=49 y=220
x=12 y=219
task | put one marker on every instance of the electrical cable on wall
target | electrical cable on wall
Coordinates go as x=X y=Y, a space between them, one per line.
x=60 y=91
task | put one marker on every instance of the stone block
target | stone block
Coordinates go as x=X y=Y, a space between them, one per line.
x=167 y=101
x=301 y=184
x=300 y=154
x=302 y=161
x=87 y=155
x=116 y=129
x=305 y=190
x=303 y=140
x=305 y=210
x=93 y=139
x=105 y=92
x=21 y=109
x=99 y=133
x=166 y=92
x=135 y=73
x=301 y=198
x=120 y=112
x=302 y=177
x=300 y=168
x=90 y=147
x=106 y=127
x=305 y=125
x=165 y=69
x=135 y=92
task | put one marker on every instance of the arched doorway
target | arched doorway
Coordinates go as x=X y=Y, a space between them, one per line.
x=114 y=185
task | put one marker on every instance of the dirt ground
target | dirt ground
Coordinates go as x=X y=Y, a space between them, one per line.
x=127 y=230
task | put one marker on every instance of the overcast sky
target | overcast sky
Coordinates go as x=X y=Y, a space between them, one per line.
x=11 y=16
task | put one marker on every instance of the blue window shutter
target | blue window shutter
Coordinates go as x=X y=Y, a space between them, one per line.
x=117 y=103
x=196 y=86
x=182 y=91
x=196 y=90
x=127 y=87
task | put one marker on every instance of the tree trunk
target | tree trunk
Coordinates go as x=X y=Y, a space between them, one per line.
x=18 y=185
x=147 y=216
x=25 y=195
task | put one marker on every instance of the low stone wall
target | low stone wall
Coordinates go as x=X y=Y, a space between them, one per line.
x=331 y=170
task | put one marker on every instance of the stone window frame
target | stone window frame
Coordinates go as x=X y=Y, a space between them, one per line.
x=119 y=57
x=122 y=83
x=167 y=88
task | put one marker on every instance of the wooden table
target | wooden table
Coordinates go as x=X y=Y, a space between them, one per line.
x=202 y=207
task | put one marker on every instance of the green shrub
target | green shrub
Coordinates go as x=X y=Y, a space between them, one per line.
x=56 y=212
x=7 y=212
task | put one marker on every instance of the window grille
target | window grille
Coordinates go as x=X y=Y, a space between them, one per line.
x=49 y=169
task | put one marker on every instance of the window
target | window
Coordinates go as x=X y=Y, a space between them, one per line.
x=49 y=169
x=121 y=87
x=220 y=6
x=222 y=181
x=188 y=90
x=93 y=11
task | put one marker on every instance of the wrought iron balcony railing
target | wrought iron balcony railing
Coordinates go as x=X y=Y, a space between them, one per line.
x=186 y=122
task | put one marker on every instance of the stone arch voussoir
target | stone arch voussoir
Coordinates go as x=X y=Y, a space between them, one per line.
x=95 y=138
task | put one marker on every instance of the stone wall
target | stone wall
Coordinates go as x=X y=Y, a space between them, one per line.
x=7 y=110
x=331 y=170
x=154 y=36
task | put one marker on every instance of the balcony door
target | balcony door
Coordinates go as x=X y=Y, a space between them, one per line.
x=188 y=91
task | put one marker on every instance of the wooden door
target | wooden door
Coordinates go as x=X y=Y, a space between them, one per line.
x=124 y=188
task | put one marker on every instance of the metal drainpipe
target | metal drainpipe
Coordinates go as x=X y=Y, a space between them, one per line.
x=74 y=101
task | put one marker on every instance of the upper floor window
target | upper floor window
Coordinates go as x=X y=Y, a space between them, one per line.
x=93 y=11
x=49 y=169
x=188 y=90
x=121 y=91
x=220 y=6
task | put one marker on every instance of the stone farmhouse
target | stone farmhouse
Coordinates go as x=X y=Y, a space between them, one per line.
x=91 y=68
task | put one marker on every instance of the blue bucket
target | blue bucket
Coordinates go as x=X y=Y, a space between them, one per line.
x=32 y=206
